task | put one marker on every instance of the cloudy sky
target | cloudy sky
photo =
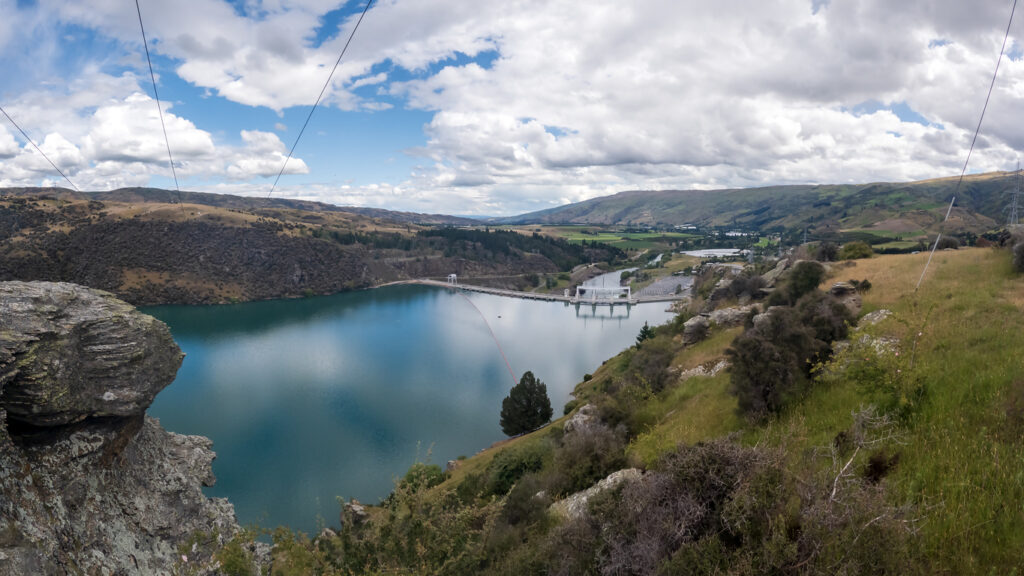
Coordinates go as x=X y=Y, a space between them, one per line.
x=500 y=107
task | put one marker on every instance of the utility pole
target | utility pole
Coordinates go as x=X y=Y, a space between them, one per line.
x=1013 y=208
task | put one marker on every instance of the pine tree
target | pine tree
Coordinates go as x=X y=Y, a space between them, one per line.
x=527 y=406
x=646 y=333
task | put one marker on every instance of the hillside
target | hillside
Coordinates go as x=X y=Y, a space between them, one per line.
x=145 y=247
x=896 y=207
x=901 y=455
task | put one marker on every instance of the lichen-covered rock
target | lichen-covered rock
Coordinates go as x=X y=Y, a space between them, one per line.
x=772 y=276
x=695 y=329
x=872 y=318
x=847 y=294
x=730 y=317
x=575 y=505
x=586 y=415
x=88 y=483
x=68 y=353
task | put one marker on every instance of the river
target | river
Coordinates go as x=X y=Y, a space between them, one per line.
x=320 y=397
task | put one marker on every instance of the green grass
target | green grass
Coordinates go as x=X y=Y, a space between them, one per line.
x=959 y=466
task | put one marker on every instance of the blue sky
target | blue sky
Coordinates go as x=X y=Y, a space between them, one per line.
x=465 y=107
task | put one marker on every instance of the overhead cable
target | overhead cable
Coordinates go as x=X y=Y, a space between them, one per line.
x=159 y=109
x=32 y=142
x=977 y=130
x=318 y=98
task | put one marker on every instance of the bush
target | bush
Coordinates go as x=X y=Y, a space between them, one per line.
x=855 y=251
x=1018 y=257
x=826 y=315
x=770 y=363
x=586 y=455
x=722 y=508
x=948 y=242
x=527 y=406
x=511 y=464
x=803 y=278
x=421 y=475
x=648 y=366
x=826 y=252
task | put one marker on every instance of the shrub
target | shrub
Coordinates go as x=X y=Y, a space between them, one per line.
x=770 y=363
x=722 y=508
x=1018 y=257
x=948 y=242
x=826 y=252
x=803 y=278
x=511 y=464
x=826 y=315
x=586 y=455
x=527 y=406
x=855 y=251
x=421 y=475
x=648 y=367
x=749 y=284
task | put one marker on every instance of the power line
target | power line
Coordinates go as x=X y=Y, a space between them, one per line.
x=159 y=109
x=977 y=130
x=318 y=98
x=30 y=141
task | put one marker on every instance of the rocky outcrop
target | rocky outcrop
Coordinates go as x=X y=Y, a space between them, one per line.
x=88 y=483
x=575 y=505
x=695 y=329
x=731 y=317
x=585 y=416
x=847 y=294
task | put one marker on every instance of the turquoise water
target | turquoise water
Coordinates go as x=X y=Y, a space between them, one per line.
x=310 y=399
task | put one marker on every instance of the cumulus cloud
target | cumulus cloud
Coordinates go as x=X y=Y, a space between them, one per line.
x=101 y=141
x=540 y=102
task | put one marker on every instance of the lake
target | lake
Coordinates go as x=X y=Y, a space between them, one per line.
x=310 y=399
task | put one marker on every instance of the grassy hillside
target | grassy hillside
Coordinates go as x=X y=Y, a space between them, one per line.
x=928 y=480
x=905 y=208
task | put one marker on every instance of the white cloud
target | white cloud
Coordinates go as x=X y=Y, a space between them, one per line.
x=101 y=141
x=575 y=100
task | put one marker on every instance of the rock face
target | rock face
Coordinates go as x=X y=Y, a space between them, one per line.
x=69 y=354
x=88 y=483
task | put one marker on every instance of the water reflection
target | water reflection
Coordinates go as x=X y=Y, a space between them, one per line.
x=309 y=399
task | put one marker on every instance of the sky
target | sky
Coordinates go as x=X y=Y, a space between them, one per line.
x=487 y=107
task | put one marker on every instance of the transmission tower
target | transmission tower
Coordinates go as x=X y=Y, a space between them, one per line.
x=1013 y=208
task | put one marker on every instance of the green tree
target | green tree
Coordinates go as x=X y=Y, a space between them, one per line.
x=527 y=406
x=646 y=333
x=855 y=251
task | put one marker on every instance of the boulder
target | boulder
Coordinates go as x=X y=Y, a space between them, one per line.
x=730 y=317
x=69 y=353
x=585 y=416
x=575 y=505
x=772 y=276
x=872 y=318
x=847 y=294
x=354 y=512
x=695 y=329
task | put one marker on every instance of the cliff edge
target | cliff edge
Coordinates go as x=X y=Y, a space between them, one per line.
x=88 y=482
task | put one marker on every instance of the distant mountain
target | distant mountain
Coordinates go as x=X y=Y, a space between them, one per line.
x=885 y=206
x=253 y=204
x=413 y=217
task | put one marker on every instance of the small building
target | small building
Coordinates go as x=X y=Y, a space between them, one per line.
x=453 y=279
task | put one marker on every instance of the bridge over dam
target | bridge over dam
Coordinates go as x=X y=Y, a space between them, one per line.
x=584 y=295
